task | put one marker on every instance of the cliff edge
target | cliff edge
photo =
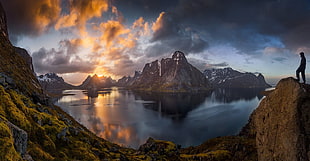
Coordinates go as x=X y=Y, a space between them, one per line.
x=281 y=123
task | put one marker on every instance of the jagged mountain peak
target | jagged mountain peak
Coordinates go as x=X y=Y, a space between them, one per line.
x=96 y=81
x=179 y=56
x=173 y=74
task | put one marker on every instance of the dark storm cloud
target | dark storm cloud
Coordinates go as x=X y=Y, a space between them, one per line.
x=247 y=25
x=255 y=21
x=63 y=60
x=171 y=35
x=31 y=17
x=146 y=8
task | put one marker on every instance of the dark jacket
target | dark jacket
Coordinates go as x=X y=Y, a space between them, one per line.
x=302 y=63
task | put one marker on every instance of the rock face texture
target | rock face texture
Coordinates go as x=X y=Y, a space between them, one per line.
x=230 y=78
x=24 y=54
x=281 y=123
x=3 y=26
x=171 y=75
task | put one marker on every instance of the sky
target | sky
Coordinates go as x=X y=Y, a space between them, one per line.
x=75 y=38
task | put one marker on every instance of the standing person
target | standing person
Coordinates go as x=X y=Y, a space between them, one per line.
x=302 y=67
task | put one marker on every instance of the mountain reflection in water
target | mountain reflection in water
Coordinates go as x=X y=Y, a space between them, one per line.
x=129 y=118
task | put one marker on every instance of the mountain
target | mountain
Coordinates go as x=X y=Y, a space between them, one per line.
x=128 y=80
x=229 y=78
x=52 y=82
x=170 y=75
x=96 y=82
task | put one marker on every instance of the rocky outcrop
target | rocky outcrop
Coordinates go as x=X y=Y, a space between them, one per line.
x=3 y=24
x=20 y=138
x=230 y=78
x=171 y=75
x=24 y=54
x=281 y=123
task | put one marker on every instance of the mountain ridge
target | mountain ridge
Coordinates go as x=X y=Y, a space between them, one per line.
x=230 y=78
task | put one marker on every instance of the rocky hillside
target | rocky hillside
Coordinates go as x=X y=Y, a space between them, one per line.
x=281 y=123
x=171 y=75
x=229 y=78
x=52 y=82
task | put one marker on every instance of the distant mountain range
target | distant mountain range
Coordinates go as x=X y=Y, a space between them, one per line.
x=96 y=82
x=229 y=78
x=51 y=82
x=173 y=74
x=128 y=80
x=168 y=75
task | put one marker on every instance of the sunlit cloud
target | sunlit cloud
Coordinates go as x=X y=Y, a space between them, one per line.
x=111 y=32
x=159 y=22
x=82 y=11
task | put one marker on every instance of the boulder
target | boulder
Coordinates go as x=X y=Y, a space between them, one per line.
x=281 y=123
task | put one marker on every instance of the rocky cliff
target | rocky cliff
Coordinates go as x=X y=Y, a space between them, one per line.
x=281 y=123
x=171 y=75
x=230 y=78
x=25 y=55
x=3 y=24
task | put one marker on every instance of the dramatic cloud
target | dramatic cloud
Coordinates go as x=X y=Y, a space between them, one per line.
x=63 y=60
x=80 y=12
x=111 y=31
x=266 y=22
x=168 y=32
x=31 y=17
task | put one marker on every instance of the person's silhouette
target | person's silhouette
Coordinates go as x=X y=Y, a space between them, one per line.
x=302 y=67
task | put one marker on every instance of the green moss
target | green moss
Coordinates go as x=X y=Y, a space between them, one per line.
x=37 y=153
x=81 y=151
x=7 y=150
x=15 y=115
x=217 y=155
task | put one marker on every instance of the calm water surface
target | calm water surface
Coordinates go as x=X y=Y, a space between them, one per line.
x=129 y=118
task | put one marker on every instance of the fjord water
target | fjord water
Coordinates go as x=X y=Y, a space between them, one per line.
x=130 y=118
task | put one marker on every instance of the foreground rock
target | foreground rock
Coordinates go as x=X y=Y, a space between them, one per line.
x=281 y=123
